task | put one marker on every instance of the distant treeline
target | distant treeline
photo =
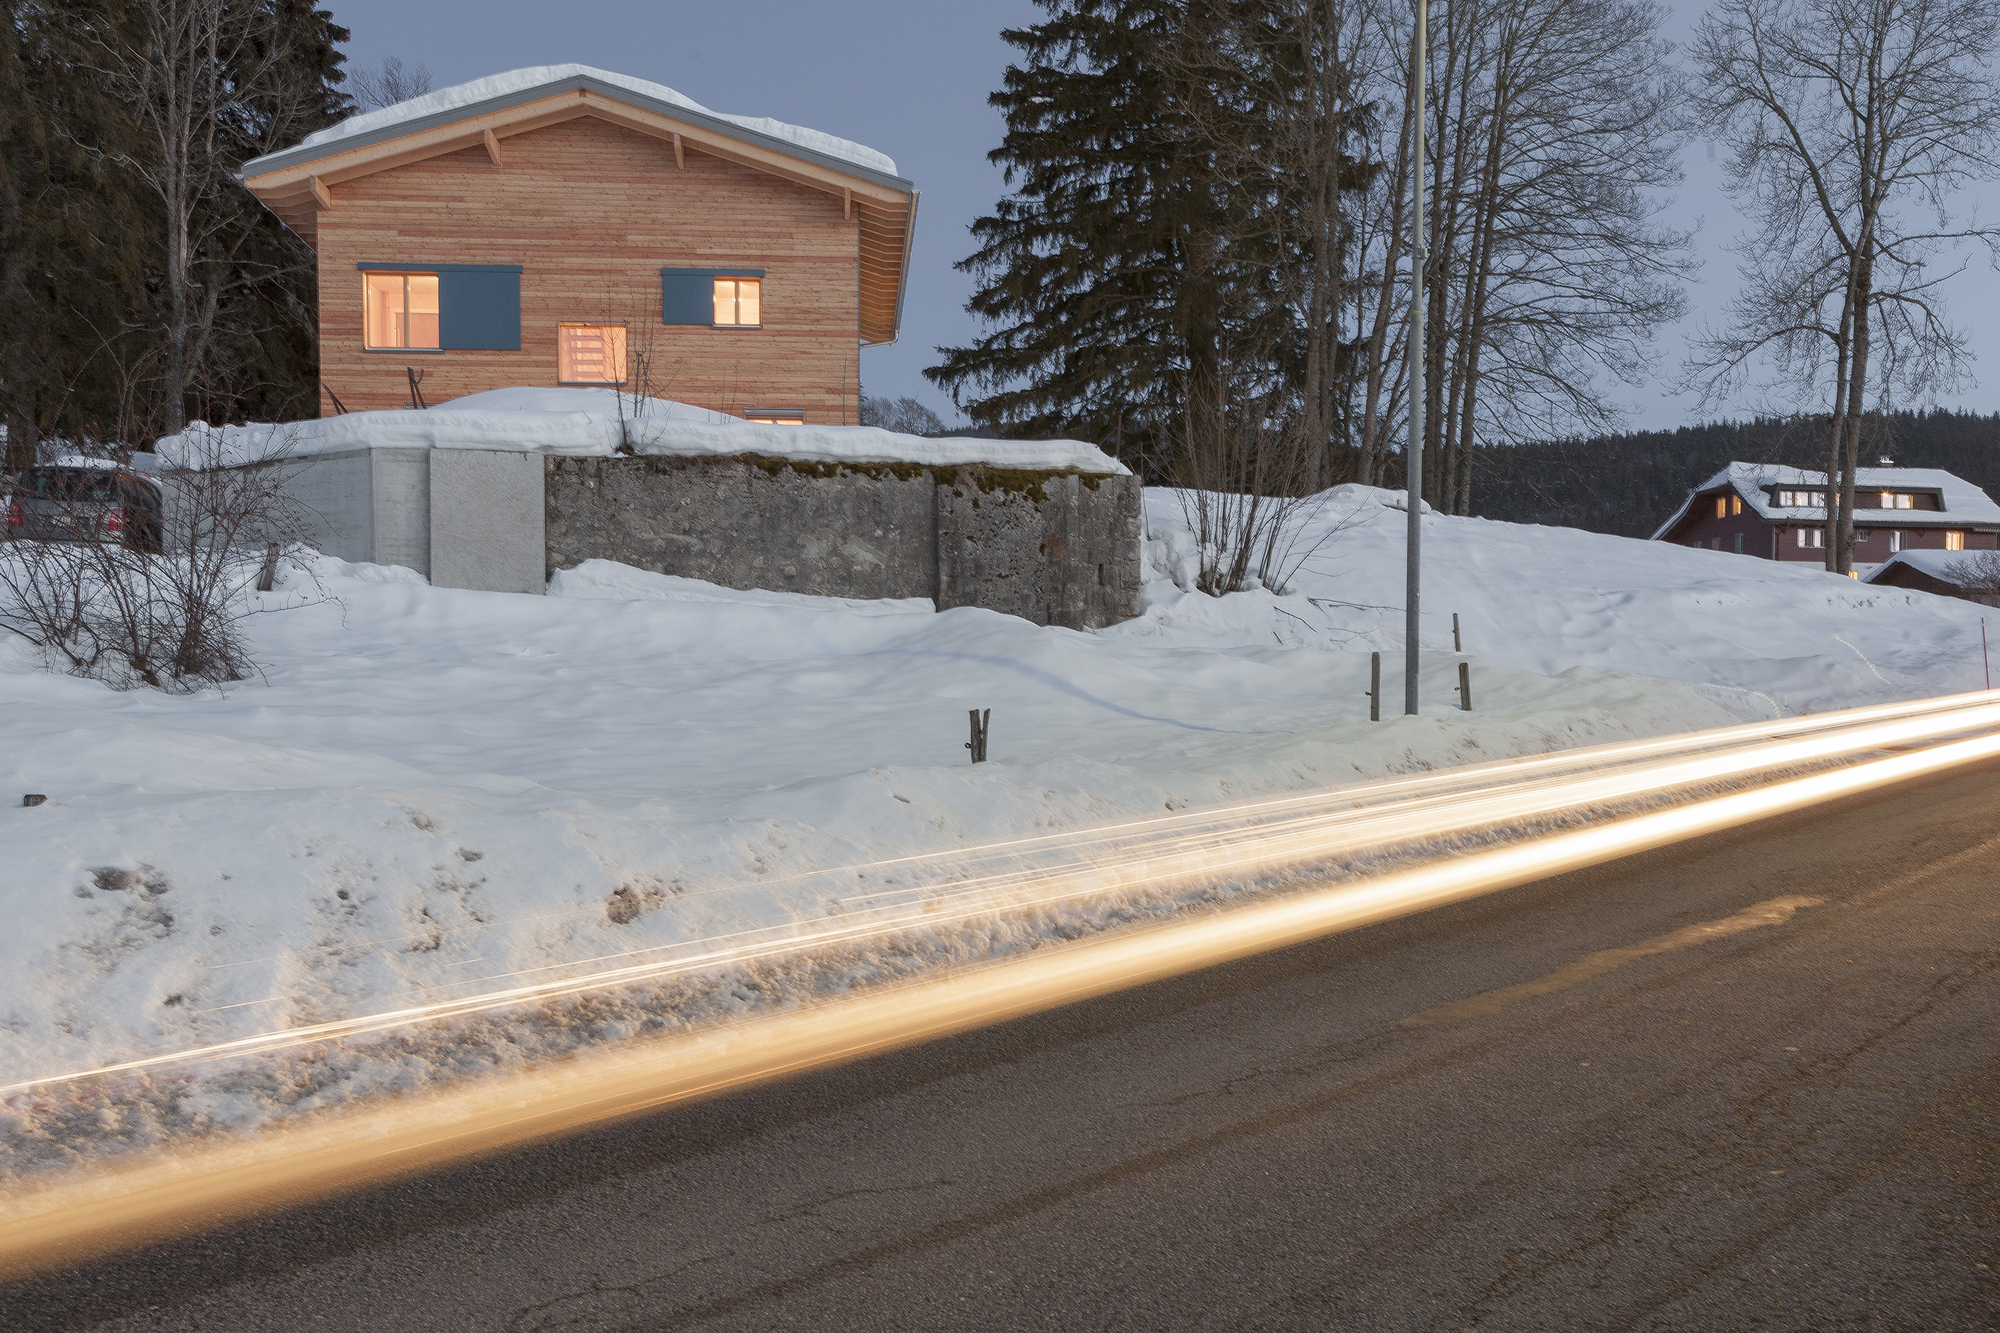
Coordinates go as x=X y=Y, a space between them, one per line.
x=1629 y=484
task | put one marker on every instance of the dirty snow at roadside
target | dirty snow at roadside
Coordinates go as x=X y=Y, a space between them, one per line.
x=430 y=792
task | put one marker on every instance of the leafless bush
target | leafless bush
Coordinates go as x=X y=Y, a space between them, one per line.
x=1246 y=493
x=173 y=618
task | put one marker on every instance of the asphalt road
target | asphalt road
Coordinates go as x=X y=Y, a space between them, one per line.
x=1786 y=1122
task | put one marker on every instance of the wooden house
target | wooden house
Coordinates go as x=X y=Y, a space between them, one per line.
x=563 y=225
x=1972 y=576
x=1779 y=513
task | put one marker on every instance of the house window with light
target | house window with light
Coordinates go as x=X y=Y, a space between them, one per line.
x=1954 y=541
x=776 y=416
x=590 y=354
x=739 y=302
x=399 y=311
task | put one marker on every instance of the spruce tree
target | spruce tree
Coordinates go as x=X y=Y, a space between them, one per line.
x=1165 y=277
x=1094 y=270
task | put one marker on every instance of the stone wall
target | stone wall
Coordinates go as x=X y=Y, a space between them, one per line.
x=1055 y=548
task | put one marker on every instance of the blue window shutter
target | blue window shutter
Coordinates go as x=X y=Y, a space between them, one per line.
x=687 y=295
x=479 y=307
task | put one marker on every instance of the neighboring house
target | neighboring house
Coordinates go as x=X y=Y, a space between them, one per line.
x=1779 y=513
x=1971 y=575
x=562 y=225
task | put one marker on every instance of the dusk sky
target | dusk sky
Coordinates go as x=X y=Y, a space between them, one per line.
x=911 y=78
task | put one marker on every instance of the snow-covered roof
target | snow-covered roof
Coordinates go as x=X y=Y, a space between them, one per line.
x=497 y=91
x=586 y=422
x=1953 y=567
x=1963 y=502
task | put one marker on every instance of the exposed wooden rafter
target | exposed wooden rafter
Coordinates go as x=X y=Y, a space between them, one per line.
x=492 y=142
x=321 y=195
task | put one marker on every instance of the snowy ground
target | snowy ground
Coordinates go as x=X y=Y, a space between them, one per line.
x=434 y=792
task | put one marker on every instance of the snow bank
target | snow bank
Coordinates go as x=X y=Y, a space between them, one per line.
x=1767 y=637
x=433 y=792
x=590 y=422
x=465 y=95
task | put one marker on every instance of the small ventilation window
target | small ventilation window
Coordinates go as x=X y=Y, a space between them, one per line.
x=590 y=354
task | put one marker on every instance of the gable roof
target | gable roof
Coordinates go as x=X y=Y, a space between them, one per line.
x=297 y=182
x=1964 y=503
x=1958 y=568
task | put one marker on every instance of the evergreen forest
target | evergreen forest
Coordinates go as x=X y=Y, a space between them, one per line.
x=1628 y=484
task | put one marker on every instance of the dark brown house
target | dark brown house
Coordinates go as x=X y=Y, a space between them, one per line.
x=1779 y=513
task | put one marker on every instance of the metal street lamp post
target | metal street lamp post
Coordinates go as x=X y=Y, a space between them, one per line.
x=1414 y=454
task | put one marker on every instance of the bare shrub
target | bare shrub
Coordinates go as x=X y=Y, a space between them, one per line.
x=170 y=618
x=1246 y=481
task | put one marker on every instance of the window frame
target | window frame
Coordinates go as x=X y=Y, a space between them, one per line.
x=738 y=278
x=677 y=299
x=767 y=416
x=415 y=271
x=562 y=352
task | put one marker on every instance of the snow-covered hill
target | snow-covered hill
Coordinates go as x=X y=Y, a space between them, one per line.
x=430 y=792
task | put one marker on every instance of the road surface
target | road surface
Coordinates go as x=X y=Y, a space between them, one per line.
x=1749 y=1082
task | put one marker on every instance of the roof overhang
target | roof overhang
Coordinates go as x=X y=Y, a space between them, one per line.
x=298 y=184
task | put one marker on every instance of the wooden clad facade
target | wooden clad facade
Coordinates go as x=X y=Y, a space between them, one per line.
x=593 y=198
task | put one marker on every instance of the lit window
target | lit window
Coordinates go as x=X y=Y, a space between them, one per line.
x=776 y=416
x=1735 y=504
x=1896 y=540
x=1954 y=541
x=1906 y=501
x=590 y=354
x=399 y=310
x=1814 y=538
x=1722 y=506
x=739 y=302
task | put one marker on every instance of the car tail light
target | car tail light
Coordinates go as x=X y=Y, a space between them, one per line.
x=114 y=520
x=14 y=519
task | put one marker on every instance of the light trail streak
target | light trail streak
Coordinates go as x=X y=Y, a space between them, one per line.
x=148 y=1200
x=1243 y=843
x=1591 y=758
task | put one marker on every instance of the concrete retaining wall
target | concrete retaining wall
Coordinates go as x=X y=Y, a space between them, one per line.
x=486 y=520
x=1054 y=548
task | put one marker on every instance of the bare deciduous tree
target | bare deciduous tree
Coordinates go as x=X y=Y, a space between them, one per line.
x=389 y=83
x=905 y=415
x=210 y=82
x=1851 y=124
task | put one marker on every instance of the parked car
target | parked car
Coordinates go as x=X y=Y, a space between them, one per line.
x=86 y=501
